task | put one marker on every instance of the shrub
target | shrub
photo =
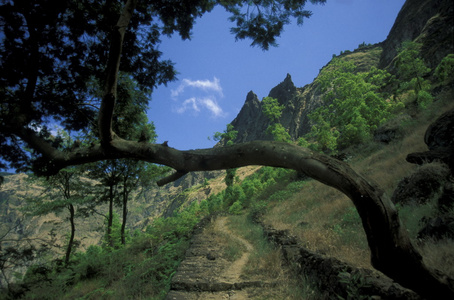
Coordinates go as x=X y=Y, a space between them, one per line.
x=354 y=106
x=90 y=264
x=236 y=208
x=424 y=99
x=445 y=69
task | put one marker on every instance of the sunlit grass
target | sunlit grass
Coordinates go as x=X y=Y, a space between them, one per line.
x=266 y=262
x=320 y=216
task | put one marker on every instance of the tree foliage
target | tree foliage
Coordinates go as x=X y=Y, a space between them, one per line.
x=445 y=70
x=49 y=58
x=273 y=111
x=354 y=105
x=412 y=71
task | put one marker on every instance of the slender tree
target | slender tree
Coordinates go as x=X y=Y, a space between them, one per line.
x=63 y=191
x=122 y=176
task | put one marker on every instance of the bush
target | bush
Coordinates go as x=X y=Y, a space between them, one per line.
x=236 y=208
x=424 y=99
x=257 y=209
x=90 y=264
x=445 y=69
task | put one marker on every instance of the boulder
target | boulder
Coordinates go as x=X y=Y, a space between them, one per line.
x=446 y=201
x=391 y=130
x=440 y=133
x=439 y=138
x=425 y=184
x=437 y=228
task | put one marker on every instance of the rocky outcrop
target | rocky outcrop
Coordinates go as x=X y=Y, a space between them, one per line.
x=251 y=123
x=423 y=186
x=439 y=138
x=437 y=228
x=332 y=276
x=429 y=22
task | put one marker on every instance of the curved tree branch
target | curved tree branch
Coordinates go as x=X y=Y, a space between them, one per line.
x=391 y=249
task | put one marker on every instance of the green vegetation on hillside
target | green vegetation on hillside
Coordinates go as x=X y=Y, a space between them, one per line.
x=141 y=266
x=141 y=269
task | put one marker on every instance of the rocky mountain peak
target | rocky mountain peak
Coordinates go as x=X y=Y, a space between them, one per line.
x=252 y=99
x=428 y=22
x=250 y=116
x=284 y=91
x=251 y=123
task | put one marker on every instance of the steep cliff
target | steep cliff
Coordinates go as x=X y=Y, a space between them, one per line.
x=429 y=22
x=298 y=103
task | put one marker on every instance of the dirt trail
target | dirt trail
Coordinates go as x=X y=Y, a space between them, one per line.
x=206 y=273
x=234 y=271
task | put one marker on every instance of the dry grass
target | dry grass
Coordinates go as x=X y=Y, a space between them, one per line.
x=439 y=255
x=312 y=216
x=266 y=264
x=317 y=214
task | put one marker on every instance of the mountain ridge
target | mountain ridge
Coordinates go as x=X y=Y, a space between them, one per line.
x=428 y=22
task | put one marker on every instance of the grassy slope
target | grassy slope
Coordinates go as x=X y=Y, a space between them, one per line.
x=325 y=220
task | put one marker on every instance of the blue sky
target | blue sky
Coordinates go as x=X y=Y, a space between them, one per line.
x=216 y=72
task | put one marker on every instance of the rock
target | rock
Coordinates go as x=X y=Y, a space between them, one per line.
x=446 y=201
x=251 y=123
x=325 y=270
x=439 y=138
x=437 y=228
x=210 y=256
x=284 y=91
x=429 y=22
x=425 y=184
x=390 y=130
x=440 y=133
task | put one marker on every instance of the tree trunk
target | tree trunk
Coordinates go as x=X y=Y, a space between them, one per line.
x=110 y=242
x=73 y=232
x=125 y=214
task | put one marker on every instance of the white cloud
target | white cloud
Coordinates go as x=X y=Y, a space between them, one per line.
x=213 y=106
x=188 y=103
x=205 y=85
x=199 y=94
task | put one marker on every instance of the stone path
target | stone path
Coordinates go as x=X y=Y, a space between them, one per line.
x=206 y=274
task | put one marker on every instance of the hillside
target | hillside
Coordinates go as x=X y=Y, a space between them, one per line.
x=424 y=21
x=319 y=219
